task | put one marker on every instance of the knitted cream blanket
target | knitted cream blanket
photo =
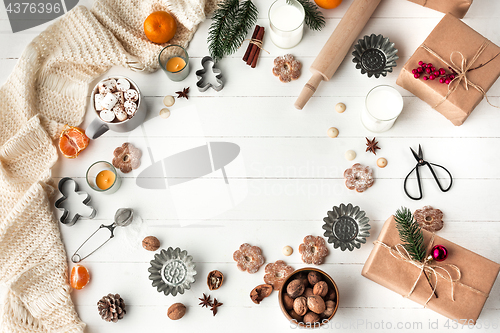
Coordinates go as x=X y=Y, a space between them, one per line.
x=47 y=89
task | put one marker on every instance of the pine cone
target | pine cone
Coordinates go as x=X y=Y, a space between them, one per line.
x=111 y=307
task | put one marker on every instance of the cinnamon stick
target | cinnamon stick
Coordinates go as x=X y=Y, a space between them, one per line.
x=254 y=61
x=250 y=45
x=259 y=36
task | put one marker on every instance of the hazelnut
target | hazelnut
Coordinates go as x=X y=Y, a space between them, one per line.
x=300 y=306
x=151 y=243
x=287 y=302
x=311 y=318
x=331 y=296
x=330 y=306
x=176 y=311
x=295 y=316
x=308 y=292
x=316 y=304
x=314 y=277
x=295 y=288
x=320 y=289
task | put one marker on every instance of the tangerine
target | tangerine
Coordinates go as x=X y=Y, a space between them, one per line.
x=160 y=27
x=328 y=4
x=80 y=277
x=72 y=141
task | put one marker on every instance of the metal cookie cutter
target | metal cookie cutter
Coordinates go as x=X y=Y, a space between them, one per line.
x=57 y=204
x=203 y=74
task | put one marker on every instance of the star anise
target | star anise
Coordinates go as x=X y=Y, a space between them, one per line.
x=372 y=145
x=205 y=301
x=184 y=93
x=215 y=305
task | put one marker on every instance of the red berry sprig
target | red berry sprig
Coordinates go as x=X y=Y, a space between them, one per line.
x=429 y=72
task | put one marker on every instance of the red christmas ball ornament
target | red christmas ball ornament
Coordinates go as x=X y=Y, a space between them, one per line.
x=439 y=253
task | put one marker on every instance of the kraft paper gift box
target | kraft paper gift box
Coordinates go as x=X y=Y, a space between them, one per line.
x=478 y=275
x=453 y=38
x=457 y=8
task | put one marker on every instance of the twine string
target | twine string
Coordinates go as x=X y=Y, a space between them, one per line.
x=255 y=42
x=443 y=271
x=461 y=71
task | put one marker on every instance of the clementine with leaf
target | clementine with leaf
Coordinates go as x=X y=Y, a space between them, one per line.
x=72 y=141
x=160 y=27
x=328 y=4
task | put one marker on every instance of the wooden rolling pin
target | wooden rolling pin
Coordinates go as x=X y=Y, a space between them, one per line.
x=337 y=46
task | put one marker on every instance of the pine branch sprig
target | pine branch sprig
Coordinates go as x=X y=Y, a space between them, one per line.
x=314 y=19
x=244 y=21
x=222 y=21
x=410 y=233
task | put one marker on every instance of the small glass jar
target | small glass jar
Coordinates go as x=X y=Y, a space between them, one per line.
x=383 y=105
x=286 y=19
x=174 y=60
x=103 y=177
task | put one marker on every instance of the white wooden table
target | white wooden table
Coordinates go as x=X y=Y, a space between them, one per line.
x=286 y=177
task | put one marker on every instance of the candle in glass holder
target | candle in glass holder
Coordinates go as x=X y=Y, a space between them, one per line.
x=175 y=64
x=383 y=104
x=102 y=177
x=174 y=60
x=286 y=18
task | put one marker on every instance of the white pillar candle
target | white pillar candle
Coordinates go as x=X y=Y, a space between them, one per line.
x=287 y=23
x=383 y=104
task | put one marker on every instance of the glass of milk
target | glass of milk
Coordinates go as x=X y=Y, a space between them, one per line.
x=383 y=104
x=286 y=18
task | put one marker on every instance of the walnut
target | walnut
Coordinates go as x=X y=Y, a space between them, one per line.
x=277 y=273
x=260 y=292
x=303 y=277
x=311 y=318
x=300 y=305
x=176 y=311
x=295 y=316
x=320 y=289
x=308 y=292
x=314 y=277
x=331 y=296
x=215 y=280
x=316 y=304
x=295 y=288
x=287 y=302
x=330 y=306
x=151 y=243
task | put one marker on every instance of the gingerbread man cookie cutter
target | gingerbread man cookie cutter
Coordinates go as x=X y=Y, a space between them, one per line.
x=66 y=214
x=204 y=74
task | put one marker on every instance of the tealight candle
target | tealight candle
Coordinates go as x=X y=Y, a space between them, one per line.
x=286 y=18
x=102 y=177
x=174 y=60
x=383 y=104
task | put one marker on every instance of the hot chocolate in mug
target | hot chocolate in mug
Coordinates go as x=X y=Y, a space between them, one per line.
x=119 y=106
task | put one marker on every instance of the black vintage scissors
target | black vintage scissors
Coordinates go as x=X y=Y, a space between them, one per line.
x=421 y=162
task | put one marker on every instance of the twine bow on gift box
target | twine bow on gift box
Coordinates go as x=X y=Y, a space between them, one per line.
x=399 y=252
x=462 y=71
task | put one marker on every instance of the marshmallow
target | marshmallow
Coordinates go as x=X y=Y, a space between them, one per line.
x=130 y=108
x=97 y=101
x=107 y=86
x=121 y=115
x=132 y=95
x=107 y=115
x=109 y=101
x=123 y=85
x=119 y=96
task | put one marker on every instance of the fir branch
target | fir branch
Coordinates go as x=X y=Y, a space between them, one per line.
x=410 y=233
x=244 y=21
x=222 y=21
x=314 y=19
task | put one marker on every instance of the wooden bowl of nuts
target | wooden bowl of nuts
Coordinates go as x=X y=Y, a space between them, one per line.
x=309 y=297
